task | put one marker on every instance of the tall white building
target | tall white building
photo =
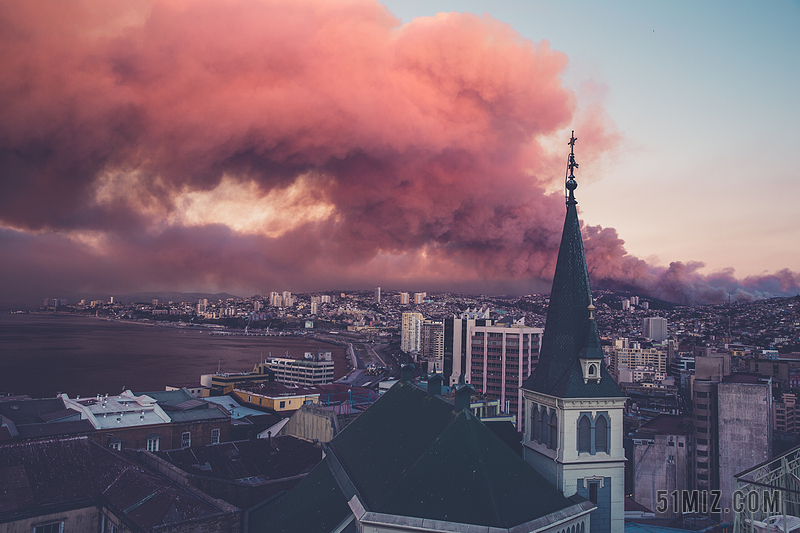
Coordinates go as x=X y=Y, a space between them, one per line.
x=411 y=332
x=377 y=295
x=404 y=298
x=655 y=328
x=419 y=297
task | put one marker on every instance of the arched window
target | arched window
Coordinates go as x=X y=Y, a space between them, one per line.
x=592 y=370
x=552 y=432
x=600 y=434
x=543 y=425
x=584 y=430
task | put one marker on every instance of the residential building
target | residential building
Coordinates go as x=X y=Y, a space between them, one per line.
x=76 y=484
x=419 y=297
x=432 y=343
x=312 y=370
x=403 y=298
x=377 y=295
x=411 y=332
x=785 y=414
x=456 y=342
x=500 y=359
x=631 y=355
x=655 y=329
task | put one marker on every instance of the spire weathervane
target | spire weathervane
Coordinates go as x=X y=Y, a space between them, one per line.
x=571 y=184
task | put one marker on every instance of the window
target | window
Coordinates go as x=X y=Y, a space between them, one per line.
x=600 y=434
x=214 y=436
x=593 y=492
x=283 y=404
x=116 y=445
x=186 y=440
x=552 y=432
x=153 y=444
x=53 y=527
x=584 y=429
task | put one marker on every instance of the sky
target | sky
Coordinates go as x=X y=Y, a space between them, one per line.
x=259 y=145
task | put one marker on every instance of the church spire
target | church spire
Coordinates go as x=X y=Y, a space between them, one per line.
x=569 y=330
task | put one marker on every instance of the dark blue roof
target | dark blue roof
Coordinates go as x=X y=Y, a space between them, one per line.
x=567 y=331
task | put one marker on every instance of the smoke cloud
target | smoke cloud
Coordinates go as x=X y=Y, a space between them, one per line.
x=252 y=145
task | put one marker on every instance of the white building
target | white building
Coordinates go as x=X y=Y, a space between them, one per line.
x=411 y=332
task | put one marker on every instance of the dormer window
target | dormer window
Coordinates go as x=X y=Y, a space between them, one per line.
x=592 y=371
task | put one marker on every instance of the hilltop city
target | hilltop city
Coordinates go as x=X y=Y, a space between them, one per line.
x=570 y=412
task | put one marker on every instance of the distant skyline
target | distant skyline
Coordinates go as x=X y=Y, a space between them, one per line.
x=270 y=145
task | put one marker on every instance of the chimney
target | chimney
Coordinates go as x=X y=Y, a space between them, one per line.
x=407 y=373
x=435 y=385
x=463 y=397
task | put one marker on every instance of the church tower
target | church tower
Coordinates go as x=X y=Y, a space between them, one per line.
x=574 y=407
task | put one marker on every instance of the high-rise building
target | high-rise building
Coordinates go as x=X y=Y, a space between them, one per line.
x=325 y=299
x=377 y=295
x=403 y=298
x=433 y=339
x=314 y=308
x=419 y=297
x=500 y=359
x=411 y=332
x=574 y=406
x=274 y=299
x=288 y=301
x=655 y=328
x=456 y=342
x=202 y=306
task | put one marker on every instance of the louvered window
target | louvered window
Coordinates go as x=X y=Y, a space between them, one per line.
x=600 y=437
x=584 y=429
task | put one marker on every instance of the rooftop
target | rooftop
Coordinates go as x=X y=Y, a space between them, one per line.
x=96 y=476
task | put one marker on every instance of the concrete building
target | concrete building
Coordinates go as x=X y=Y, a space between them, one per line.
x=411 y=332
x=654 y=328
x=575 y=408
x=744 y=404
x=662 y=460
x=456 y=342
x=432 y=344
x=377 y=295
x=631 y=355
x=311 y=370
x=500 y=359
x=419 y=297
x=785 y=414
x=404 y=298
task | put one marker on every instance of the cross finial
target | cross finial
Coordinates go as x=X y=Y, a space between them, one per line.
x=571 y=184
x=572 y=164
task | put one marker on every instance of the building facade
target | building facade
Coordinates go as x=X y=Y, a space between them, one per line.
x=411 y=332
x=654 y=328
x=499 y=360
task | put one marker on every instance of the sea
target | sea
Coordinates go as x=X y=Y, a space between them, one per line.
x=43 y=355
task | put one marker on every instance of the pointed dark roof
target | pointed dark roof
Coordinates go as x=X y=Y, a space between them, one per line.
x=410 y=455
x=567 y=330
